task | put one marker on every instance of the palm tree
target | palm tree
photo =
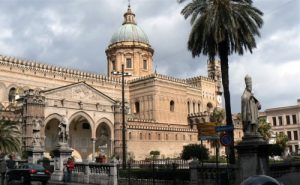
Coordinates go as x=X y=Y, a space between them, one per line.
x=9 y=137
x=220 y=28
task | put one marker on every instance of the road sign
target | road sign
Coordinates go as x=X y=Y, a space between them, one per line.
x=209 y=137
x=224 y=128
x=207 y=129
x=226 y=140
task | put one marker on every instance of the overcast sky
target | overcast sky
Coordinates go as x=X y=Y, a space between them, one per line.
x=75 y=33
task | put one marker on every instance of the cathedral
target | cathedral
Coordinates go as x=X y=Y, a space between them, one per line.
x=161 y=111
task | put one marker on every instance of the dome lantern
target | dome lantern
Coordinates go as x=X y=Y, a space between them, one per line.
x=129 y=17
x=129 y=46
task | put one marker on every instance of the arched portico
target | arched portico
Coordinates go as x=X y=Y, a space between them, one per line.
x=50 y=131
x=104 y=137
x=80 y=134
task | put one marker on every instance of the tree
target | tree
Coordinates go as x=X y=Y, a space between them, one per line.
x=220 y=28
x=217 y=116
x=154 y=154
x=281 y=140
x=9 y=137
x=264 y=128
x=194 y=151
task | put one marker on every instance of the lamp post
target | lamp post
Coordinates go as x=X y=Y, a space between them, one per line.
x=123 y=74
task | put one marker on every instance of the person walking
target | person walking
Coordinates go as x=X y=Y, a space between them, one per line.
x=69 y=168
x=3 y=168
x=11 y=163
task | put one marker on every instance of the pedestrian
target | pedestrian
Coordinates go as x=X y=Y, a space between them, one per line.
x=69 y=168
x=3 y=168
x=11 y=163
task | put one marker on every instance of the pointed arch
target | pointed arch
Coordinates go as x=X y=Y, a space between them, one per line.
x=86 y=116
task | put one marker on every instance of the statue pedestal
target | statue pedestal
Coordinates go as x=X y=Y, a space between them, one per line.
x=34 y=154
x=253 y=157
x=61 y=155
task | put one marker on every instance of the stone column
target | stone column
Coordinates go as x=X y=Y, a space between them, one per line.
x=252 y=157
x=113 y=172
x=93 y=148
x=194 y=172
x=61 y=156
x=35 y=154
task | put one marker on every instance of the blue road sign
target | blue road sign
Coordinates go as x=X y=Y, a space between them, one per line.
x=209 y=137
x=224 y=128
x=226 y=140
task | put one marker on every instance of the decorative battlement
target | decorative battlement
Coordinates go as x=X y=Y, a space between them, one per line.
x=198 y=78
x=56 y=70
x=137 y=125
x=188 y=81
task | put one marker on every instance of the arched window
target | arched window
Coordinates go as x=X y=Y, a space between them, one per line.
x=194 y=107
x=137 y=107
x=209 y=107
x=191 y=137
x=176 y=137
x=129 y=135
x=184 y=137
x=167 y=137
x=188 y=106
x=12 y=95
x=158 y=136
x=172 y=106
x=113 y=63
x=199 y=109
x=149 y=136
x=128 y=63
x=145 y=66
x=141 y=136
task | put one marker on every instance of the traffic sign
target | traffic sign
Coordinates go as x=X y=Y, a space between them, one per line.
x=224 y=128
x=226 y=140
x=207 y=129
x=209 y=137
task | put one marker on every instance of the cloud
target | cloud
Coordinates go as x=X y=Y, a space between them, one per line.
x=76 y=33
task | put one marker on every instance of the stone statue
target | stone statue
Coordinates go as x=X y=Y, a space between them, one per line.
x=36 y=134
x=63 y=131
x=250 y=107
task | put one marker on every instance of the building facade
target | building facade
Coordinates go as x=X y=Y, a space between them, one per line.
x=161 y=111
x=286 y=120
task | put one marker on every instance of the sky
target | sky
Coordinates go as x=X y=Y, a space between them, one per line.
x=75 y=34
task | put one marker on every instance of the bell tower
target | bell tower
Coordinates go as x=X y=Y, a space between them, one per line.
x=130 y=46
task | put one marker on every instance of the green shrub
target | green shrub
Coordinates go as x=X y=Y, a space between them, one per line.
x=194 y=151
x=276 y=150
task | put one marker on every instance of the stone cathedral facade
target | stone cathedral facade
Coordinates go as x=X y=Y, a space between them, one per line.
x=161 y=111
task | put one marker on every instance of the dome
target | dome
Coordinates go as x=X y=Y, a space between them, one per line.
x=129 y=32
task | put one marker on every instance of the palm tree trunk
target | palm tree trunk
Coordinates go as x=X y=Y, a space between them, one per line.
x=223 y=54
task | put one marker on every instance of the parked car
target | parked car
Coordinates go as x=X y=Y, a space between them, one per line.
x=27 y=173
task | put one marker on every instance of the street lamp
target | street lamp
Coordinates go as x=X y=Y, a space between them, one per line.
x=123 y=74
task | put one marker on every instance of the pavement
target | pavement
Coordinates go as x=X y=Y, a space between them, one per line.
x=62 y=183
x=49 y=183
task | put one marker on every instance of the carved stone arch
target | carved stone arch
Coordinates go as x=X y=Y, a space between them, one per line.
x=108 y=123
x=49 y=132
x=53 y=116
x=104 y=136
x=86 y=116
x=209 y=106
x=9 y=89
x=48 y=119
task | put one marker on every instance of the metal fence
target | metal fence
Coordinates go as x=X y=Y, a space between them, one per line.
x=154 y=172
